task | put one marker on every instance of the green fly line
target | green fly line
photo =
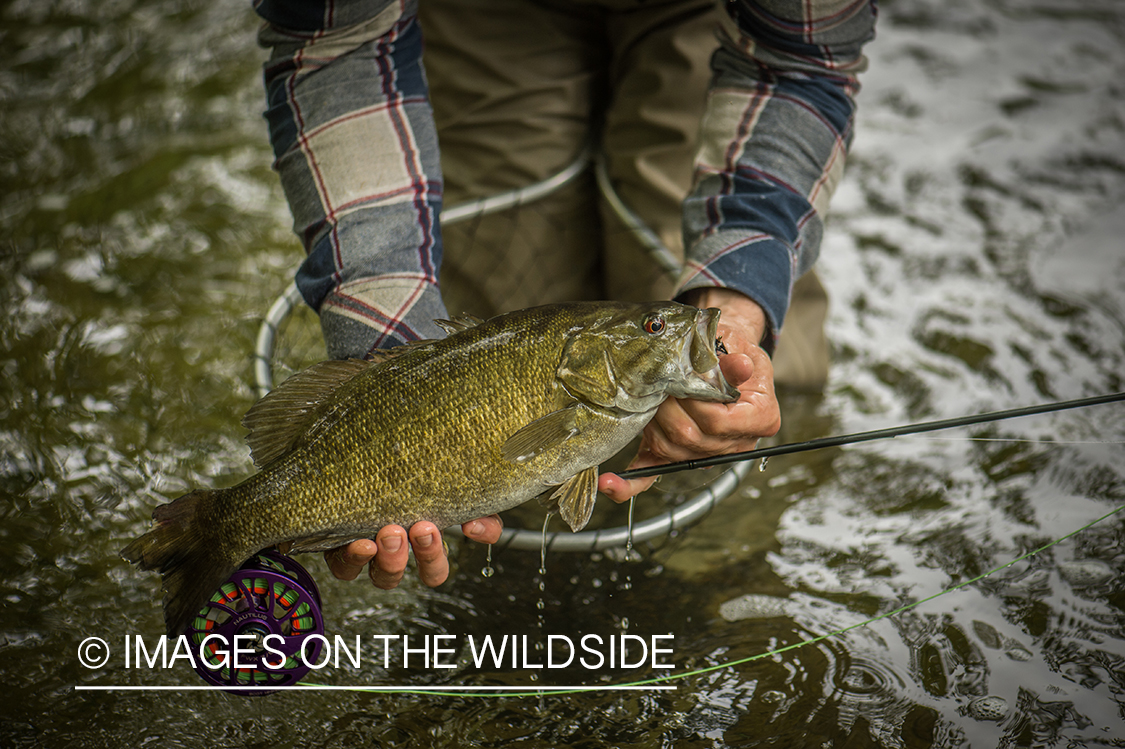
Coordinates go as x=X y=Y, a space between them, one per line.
x=547 y=691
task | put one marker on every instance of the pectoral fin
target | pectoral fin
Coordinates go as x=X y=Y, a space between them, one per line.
x=542 y=434
x=574 y=499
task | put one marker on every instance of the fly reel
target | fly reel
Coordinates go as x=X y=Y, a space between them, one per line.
x=253 y=630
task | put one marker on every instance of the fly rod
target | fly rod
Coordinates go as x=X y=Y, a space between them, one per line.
x=878 y=434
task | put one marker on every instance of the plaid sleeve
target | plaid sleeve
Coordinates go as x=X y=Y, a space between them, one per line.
x=773 y=143
x=356 y=148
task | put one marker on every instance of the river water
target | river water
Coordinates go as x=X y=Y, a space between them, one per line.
x=976 y=261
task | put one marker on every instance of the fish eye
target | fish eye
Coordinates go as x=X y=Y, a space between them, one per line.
x=654 y=325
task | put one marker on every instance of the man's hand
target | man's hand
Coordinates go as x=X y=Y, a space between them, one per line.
x=687 y=429
x=389 y=552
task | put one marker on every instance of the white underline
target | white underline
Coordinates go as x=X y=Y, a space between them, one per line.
x=1011 y=439
x=331 y=688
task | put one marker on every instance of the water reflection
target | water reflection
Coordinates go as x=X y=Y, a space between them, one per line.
x=974 y=257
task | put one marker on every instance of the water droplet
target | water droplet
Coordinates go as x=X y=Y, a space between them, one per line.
x=488 y=571
x=629 y=533
x=543 y=547
x=762 y=464
x=541 y=604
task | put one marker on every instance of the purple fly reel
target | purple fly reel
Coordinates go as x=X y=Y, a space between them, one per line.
x=253 y=629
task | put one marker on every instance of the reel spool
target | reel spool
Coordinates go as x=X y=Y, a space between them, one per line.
x=269 y=595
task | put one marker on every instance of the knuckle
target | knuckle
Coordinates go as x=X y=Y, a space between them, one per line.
x=435 y=575
x=385 y=580
x=664 y=450
x=430 y=555
x=386 y=564
x=339 y=567
x=772 y=423
x=712 y=422
x=341 y=573
x=636 y=487
x=685 y=434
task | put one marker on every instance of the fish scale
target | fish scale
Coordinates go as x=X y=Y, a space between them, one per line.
x=444 y=431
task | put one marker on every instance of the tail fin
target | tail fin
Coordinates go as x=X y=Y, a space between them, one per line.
x=190 y=563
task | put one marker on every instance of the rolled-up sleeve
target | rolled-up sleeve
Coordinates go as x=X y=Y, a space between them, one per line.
x=356 y=149
x=773 y=141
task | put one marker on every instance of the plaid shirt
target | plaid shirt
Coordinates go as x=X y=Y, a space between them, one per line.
x=772 y=145
x=356 y=148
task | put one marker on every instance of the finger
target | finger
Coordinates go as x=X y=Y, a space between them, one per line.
x=388 y=565
x=704 y=428
x=433 y=566
x=345 y=562
x=674 y=435
x=621 y=490
x=484 y=530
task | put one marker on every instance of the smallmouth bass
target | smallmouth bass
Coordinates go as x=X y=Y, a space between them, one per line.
x=522 y=405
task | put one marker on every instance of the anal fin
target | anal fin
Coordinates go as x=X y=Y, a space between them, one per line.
x=575 y=498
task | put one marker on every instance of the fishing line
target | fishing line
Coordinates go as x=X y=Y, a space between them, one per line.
x=878 y=434
x=532 y=692
x=1016 y=439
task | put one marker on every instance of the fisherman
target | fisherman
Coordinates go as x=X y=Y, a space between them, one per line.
x=515 y=91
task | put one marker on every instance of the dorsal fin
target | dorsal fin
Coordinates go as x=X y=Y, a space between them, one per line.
x=277 y=420
x=463 y=321
x=378 y=355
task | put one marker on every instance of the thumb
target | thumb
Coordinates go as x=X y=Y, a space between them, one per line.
x=737 y=368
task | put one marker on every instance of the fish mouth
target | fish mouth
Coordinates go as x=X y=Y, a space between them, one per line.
x=703 y=378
